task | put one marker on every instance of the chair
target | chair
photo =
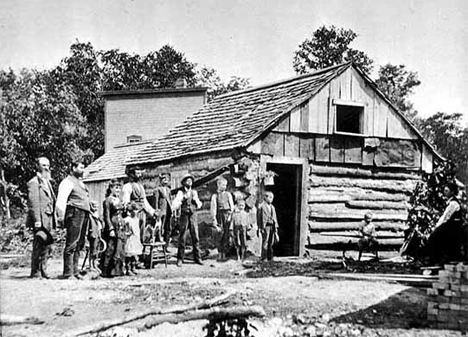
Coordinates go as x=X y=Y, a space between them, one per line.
x=157 y=252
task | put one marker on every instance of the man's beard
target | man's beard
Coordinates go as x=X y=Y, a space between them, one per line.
x=78 y=174
x=45 y=174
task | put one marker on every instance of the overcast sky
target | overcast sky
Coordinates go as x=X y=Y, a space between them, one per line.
x=254 y=39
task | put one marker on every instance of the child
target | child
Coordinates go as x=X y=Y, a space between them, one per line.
x=133 y=246
x=240 y=223
x=95 y=239
x=222 y=206
x=367 y=240
x=267 y=225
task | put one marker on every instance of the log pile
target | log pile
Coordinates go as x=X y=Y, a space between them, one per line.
x=447 y=306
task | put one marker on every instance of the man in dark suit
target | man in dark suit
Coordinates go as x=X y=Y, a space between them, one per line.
x=41 y=217
x=162 y=201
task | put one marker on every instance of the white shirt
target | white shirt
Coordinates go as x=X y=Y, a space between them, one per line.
x=177 y=202
x=451 y=208
x=127 y=192
x=64 y=190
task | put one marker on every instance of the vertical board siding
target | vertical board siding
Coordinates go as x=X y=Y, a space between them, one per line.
x=426 y=161
x=345 y=85
x=318 y=112
x=283 y=125
x=307 y=147
x=380 y=117
x=305 y=117
x=337 y=154
x=322 y=149
x=397 y=127
x=295 y=124
x=353 y=150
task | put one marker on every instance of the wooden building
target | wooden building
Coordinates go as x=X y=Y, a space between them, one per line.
x=334 y=145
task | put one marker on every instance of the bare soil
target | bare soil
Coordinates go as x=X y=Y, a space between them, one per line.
x=297 y=300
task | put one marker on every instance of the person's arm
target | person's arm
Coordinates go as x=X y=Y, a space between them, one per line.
x=231 y=202
x=34 y=206
x=157 y=195
x=214 y=208
x=150 y=210
x=177 y=202
x=195 y=198
x=275 y=219
x=451 y=208
x=126 y=192
x=64 y=190
x=107 y=219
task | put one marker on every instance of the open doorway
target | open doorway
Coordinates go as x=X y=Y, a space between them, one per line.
x=287 y=201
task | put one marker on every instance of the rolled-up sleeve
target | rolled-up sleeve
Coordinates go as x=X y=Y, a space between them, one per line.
x=64 y=190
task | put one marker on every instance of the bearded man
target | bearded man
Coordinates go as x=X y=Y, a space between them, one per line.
x=41 y=217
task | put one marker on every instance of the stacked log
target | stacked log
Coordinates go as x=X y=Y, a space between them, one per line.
x=447 y=307
x=340 y=196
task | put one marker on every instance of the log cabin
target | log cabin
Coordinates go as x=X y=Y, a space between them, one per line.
x=330 y=146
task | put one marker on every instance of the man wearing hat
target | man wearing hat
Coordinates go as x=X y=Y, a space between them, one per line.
x=188 y=202
x=41 y=217
x=134 y=192
x=162 y=200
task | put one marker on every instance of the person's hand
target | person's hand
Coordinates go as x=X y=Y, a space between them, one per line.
x=112 y=233
x=60 y=223
x=37 y=224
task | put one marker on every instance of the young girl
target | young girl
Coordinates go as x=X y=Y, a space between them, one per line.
x=133 y=246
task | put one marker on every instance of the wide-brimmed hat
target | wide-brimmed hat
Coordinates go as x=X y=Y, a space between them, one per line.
x=185 y=177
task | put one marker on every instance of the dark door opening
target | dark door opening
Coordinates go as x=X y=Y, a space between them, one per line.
x=287 y=201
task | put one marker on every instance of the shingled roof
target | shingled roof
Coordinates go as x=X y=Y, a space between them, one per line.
x=112 y=164
x=236 y=119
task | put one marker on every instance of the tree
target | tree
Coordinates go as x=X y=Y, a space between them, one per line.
x=327 y=47
x=398 y=83
x=449 y=137
x=208 y=77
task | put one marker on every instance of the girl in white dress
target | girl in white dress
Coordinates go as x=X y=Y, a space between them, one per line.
x=133 y=246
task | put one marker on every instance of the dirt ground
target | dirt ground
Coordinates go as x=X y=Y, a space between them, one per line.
x=298 y=301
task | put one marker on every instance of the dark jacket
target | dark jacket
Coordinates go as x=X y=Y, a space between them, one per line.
x=264 y=216
x=162 y=199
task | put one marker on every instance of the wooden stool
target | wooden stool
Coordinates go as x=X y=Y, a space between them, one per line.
x=155 y=254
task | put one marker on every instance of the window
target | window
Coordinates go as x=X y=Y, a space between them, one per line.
x=134 y=139
x=349 y=119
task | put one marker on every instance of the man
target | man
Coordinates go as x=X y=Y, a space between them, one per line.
x=267 y=224
x=134 y=192
x=73 y=209
x=222 y=207
x=162 y=197
x=188 y=202
x=41 y=217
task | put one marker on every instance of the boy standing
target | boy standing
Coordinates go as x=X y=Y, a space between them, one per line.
x=222 y=207
x=162 y=197
x=241 y=223
x=267 y=224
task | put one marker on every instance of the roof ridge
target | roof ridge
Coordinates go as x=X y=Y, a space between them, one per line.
x=284 y=81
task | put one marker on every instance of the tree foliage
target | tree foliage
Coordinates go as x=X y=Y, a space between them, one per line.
x=398 y=84
x=327 y=47
x=208 y=77
x=450 y=138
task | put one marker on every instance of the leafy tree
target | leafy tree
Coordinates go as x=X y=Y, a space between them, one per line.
x=39 y=117
x=208 y=77
x=327 y=47
x=449 y=137
x=398 y=84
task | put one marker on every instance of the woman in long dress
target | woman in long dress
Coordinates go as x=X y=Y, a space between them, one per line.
x=114 y=232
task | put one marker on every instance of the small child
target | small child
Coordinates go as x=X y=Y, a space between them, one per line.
x=367 y=240
x=241 y=224
x=133 y=246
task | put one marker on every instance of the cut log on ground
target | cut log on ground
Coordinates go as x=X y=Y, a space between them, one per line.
x=102 y=326
x=413 y=280
x=15 y=320
x=209 y=314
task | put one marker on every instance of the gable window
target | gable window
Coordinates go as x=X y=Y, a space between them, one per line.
x=134 y=139
x=349 y=118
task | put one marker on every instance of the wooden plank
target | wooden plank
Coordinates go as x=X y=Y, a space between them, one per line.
x=381 y=110
x=325 y=170
x=322 y=149
x=273 y=144
x=398 y=127
x=334 y=215
x=371 y=204
x=291 y=145
x=334 y=94
x=305 y=117
x=426 y=160
x=283 y=125
x=399 y=186
x=361 y=92
x=318 y=226
x=337 y=153
x=345 y=85
x=318 y=112
x=295 y=120
x=353 y=150
x=306 y=147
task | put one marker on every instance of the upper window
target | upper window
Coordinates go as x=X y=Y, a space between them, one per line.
x=134 y=139
x=349 y=119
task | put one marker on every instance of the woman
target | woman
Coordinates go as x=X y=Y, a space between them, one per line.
x=445 y=242
x=114 y=232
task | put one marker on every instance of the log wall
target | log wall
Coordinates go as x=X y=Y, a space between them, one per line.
x=340 y=196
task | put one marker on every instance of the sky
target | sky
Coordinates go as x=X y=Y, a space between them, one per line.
x=254 y=39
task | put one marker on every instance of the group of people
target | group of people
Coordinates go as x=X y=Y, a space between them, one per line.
x=129 y=221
